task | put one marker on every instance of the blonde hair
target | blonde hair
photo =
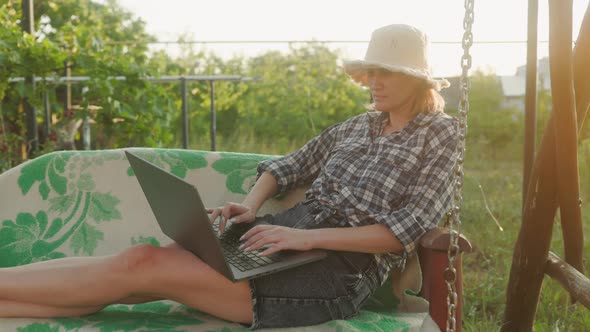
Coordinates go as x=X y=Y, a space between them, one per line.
x=428 y=100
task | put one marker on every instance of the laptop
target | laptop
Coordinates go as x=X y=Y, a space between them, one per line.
x=180 y=212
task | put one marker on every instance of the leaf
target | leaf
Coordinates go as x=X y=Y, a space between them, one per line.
x=62 y=203
x=230 y=164
x=179 y=161
x=237 y=170
x=56 y=255
x=179 y=170
x=58 y=182
x=41 y=248
x=42 y=221
x=235 y=181
x=44 y=190
x=60 y=162
x=372 y=321
x=56 y=225
x=27 y=220
x=85 y=183
x=38 y=327
x=85 y=239
x=103 y=207
x=154 y=307
x=72 y=323
x=32 y=172
x=193 y=160
x=154 y=316
x=145 y=240
x=17 y=239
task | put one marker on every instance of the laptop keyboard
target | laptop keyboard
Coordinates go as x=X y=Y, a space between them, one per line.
x=242 y=260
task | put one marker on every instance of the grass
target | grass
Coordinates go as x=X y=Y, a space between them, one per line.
x=487 y=269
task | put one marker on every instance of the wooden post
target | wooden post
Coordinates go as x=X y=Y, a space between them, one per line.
x=530 y=112
x=532 y=246
x=566 y=131
x=582 y=70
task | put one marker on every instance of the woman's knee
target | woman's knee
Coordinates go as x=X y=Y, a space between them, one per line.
x=140 y=258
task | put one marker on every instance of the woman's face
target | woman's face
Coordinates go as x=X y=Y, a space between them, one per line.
x=392 y=91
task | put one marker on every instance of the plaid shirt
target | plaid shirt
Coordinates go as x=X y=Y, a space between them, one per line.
x=402 y=180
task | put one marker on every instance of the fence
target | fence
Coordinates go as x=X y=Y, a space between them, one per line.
x=32 y=125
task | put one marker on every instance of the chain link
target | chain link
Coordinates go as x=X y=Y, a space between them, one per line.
x=453 y=216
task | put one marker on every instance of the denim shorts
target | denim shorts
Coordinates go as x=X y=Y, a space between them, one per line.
x=332 y=288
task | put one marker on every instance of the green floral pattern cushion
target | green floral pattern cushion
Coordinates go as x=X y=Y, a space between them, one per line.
x=87 y=203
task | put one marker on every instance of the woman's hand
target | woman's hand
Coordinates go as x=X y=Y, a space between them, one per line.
x=232 y=212
x=277 y=238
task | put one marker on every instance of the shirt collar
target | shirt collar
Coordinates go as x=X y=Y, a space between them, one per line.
x=379 y=119
x=422 y=119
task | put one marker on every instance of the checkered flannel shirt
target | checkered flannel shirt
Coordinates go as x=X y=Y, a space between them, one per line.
x=402 y=180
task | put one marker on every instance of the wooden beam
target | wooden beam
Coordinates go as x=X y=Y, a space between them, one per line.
x=577 y=284
x=566 y=131
x=527 y=270
x=534 y=237
x=582 y=69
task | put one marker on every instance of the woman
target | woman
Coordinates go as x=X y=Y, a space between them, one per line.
x=379 y=181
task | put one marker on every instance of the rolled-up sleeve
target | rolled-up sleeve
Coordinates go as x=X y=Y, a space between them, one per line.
x=430 y=193
x=303 y=165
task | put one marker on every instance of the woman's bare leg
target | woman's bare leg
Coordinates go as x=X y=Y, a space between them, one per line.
x=18 y=309
x=140 y=273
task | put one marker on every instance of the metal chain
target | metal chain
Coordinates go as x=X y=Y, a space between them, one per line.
x=453 y=216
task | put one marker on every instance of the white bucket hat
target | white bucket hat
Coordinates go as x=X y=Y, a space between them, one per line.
x=398 y=48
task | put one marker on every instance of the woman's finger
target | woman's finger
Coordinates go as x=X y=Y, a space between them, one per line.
x=226 y=213
x=244 y=217
x=215 y=213
x=263 y=232
x=222 y=223
x=265 y=239
x=231 y=208
x=255 y=230
x=253 y=239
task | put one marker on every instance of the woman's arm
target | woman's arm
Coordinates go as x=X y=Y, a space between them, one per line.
x=264 y=188
x=368 y=239
x=303 y=165
x=374 y=239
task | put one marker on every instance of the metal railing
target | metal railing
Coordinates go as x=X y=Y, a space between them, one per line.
x=161 y=79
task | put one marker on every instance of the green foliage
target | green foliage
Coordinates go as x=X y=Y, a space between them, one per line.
x=301 y=93
x=490 y=125
x=22 y=54
x=88 y=36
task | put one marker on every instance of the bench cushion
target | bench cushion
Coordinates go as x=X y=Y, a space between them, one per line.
x=88 y=203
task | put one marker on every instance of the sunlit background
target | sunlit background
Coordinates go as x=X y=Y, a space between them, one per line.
x=500 y=28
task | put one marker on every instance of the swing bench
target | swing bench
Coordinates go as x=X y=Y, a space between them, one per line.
x=88 y=203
